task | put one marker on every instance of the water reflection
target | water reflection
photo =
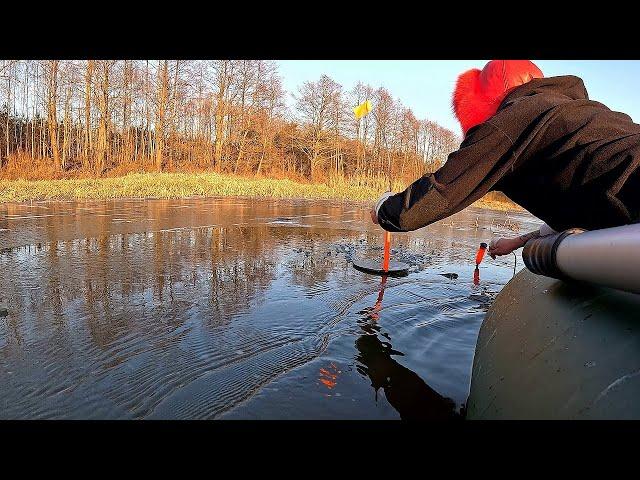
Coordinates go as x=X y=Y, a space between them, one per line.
x=404 y=389
x=185 y=309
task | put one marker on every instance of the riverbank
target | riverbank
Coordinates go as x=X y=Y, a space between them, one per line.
x=181 y=185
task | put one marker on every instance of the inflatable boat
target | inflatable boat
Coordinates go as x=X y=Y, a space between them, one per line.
x=562 y=339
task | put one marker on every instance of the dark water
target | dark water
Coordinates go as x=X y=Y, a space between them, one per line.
x=237 y=309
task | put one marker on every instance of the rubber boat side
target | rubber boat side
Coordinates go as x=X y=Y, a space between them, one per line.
x=553 y=349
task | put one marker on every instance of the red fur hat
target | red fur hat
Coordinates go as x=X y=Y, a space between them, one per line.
x=478 y=94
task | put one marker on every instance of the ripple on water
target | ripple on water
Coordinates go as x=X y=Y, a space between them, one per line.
x=187 y=309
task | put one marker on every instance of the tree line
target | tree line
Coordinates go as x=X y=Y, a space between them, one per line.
x=231 y=116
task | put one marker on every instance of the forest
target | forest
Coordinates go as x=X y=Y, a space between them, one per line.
x=96 y=118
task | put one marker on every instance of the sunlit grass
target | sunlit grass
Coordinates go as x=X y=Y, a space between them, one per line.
x=175 y=185
x=207 y=184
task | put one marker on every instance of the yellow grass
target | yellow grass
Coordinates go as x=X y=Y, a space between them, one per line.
x=503 y=206
x=181 y=185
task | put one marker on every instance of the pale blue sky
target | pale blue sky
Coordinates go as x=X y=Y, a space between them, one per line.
x=426 y=85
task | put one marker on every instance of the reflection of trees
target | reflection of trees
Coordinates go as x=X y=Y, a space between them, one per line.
x=112 y=278
x=97 y=270
x=243 y=264
x=109 y=291
x=4 y=224
x=54 y=294
x=109 y=279
x=112 y=269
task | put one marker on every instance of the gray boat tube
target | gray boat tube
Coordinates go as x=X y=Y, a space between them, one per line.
x=608 y=257
x=550 y=349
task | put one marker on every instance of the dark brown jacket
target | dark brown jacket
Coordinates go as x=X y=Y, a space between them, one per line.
x=570 y=161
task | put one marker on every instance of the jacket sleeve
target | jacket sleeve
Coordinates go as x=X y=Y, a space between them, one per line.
x=485 y=156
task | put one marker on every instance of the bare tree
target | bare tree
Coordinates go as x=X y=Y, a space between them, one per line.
x=88 y=136
x=223 y=75
x=162 y=100
x=228 y=115
x=314 y=103
x=51 y=72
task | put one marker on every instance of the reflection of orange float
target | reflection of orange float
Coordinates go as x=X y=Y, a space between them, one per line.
x=329 y=376
x=405 y=390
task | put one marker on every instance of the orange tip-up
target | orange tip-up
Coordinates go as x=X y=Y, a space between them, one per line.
x=480 y=254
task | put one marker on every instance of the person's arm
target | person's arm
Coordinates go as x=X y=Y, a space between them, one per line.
x=482 y=160
x=504 y=246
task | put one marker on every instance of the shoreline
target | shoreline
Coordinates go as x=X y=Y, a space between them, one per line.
x=161 y=186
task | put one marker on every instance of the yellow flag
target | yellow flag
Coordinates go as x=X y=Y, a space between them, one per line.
x=362 y=109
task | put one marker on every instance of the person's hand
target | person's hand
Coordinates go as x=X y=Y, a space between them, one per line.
x=374 y=216
x=374 y=210
x=503 y=246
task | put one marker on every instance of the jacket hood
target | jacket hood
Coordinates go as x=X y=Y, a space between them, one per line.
x=567 y=85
